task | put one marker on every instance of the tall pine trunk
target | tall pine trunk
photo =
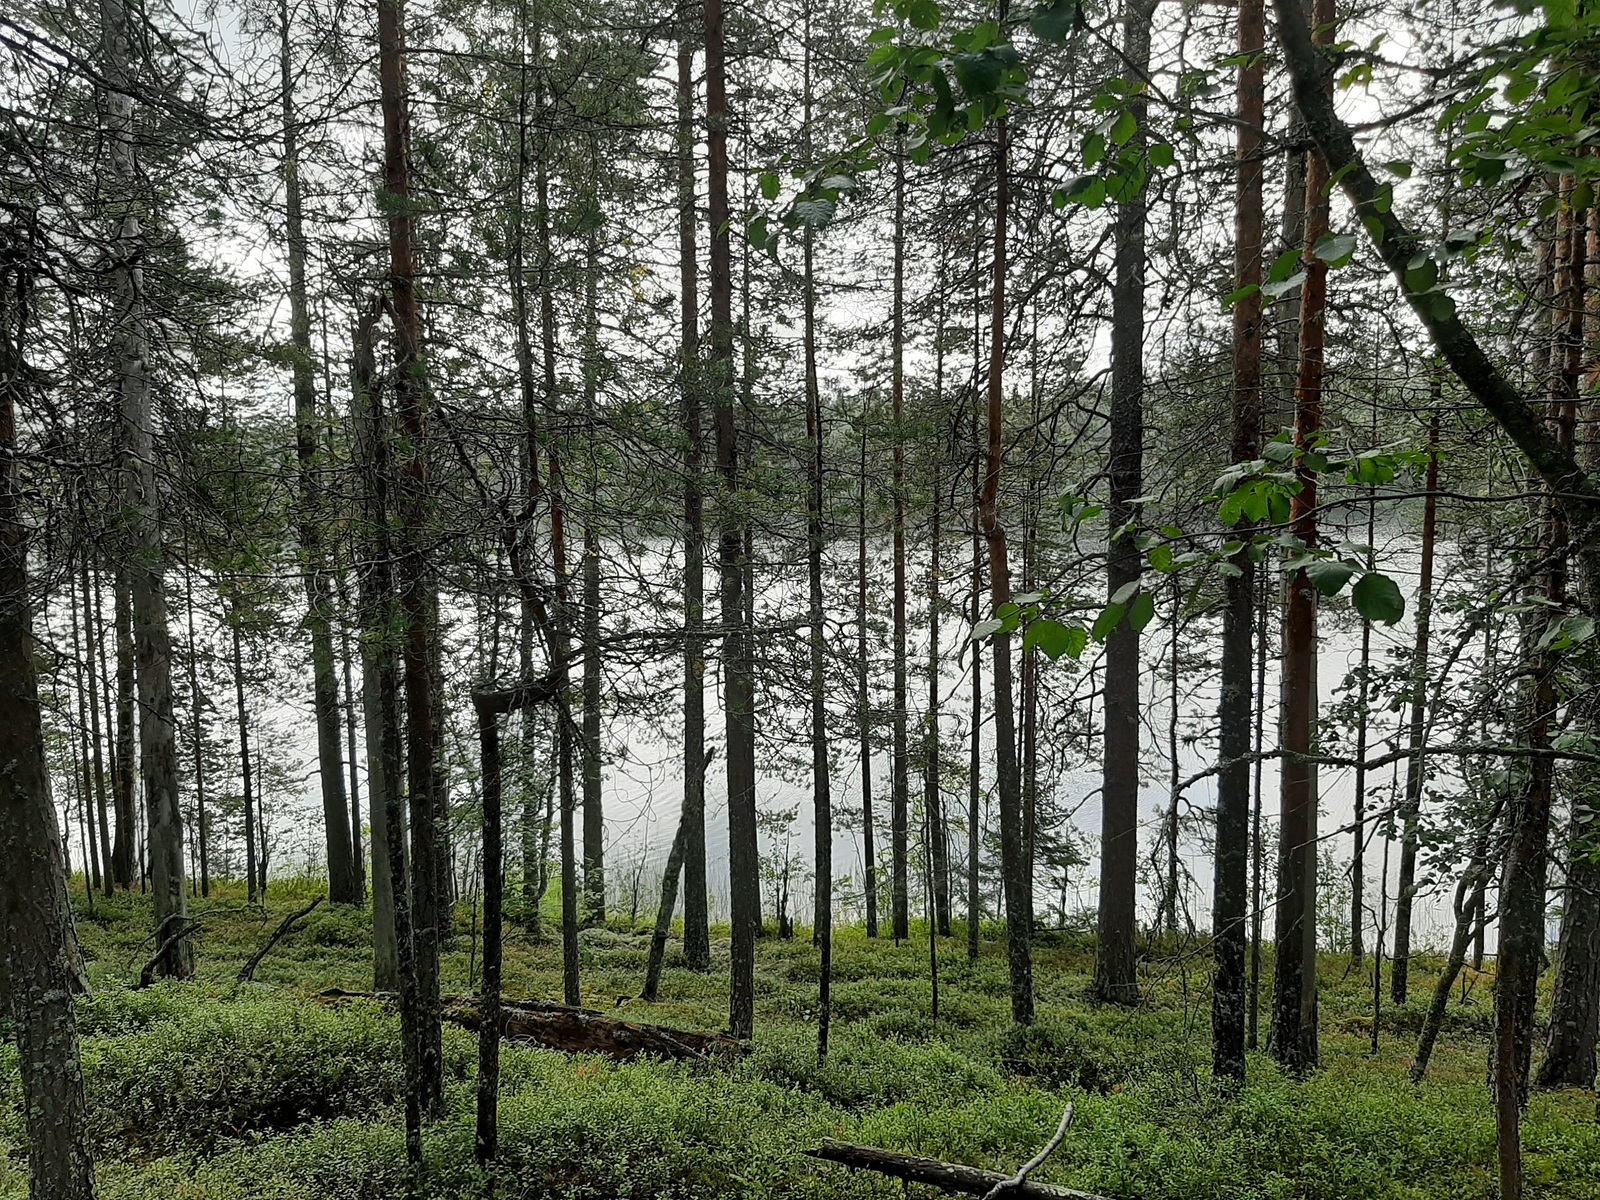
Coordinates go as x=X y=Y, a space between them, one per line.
x=379 y=665
x=1116 y=976
x=738 y=697
x=869 y=851
x=1293 y=1039
x=900 y=806
x=413 y=584
x=594 y=822
x=1234 y=710
x=696 y=921
x=1013 y=848
x=324 y=688
x=1575 y=1002
x=821 y=787
x=145 y=558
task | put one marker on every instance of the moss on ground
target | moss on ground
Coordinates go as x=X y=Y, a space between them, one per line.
x=214 y=1091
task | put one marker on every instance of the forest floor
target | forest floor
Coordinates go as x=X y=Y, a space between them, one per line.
x=227 y=1092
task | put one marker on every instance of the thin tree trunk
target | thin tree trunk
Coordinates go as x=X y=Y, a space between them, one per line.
x=696 y=922
x=738 y=690
x=821 y=788
x=92 y=876
x=1465 y=910
x=900 y=916
x=1169 y=883
x=1229 y=1032
x=561 y=616
x=594 y=822
x=379 y=669
x=1358 y=836
x=663 y=930
x=1013 y=851
x=1522 y=924
x=325 y=689
x=252 y=889
x=413 y=583
x=486 y=1142
x=94 y=649
x=863 y=695
x=1116 y=977
x=1575 y=1001
x=352 y=759
x=975 y=749
x=1293 y=1039
x=124 y=849
x=39 y=970
x=152 y=639
x=105 y=766
x=1416 y=765
x=197 y=729
x=933 y=794
x=395 y=962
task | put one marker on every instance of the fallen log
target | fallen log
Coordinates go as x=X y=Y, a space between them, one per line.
x=952 y=1177
x=574 y=1030
x=248 y=971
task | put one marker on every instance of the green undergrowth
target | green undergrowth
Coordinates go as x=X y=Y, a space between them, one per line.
x=213 y=1090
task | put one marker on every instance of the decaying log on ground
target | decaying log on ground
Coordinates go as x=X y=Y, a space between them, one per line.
x=574 y=1030
x=952 y=1177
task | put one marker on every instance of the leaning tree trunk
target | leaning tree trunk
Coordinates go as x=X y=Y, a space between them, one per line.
x=152 y=639
x=324 y=688
x=1466 y=911
x=39 y=967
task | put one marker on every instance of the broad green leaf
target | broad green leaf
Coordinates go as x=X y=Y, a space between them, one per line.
x=1329 y=575
x=1054 y=20
x=1335 y=249
x=1124 y=127
x=987 y=628
x=1283 y=287
x=1142 y=612
x=1055 y=639
x=1162 y=155
x=1110 y=617
x=1284 y=266
x=1378 y=598
x=770 y=184
x=1125 y=593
